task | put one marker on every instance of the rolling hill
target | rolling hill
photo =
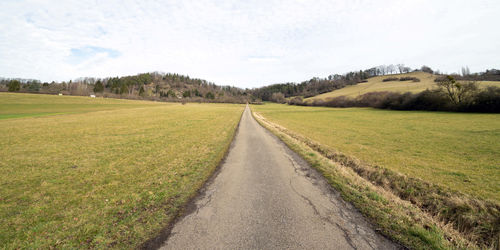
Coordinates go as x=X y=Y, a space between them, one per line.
x=376 y=84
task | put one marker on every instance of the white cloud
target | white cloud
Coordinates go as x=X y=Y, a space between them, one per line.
x=247 y=43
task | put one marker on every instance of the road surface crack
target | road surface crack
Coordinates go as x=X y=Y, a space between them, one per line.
x=208 y=199
x=347 y=235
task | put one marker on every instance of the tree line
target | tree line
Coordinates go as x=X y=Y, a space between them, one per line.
x=452 y=95
x=148 y=86
x=180 y=88
x=316 y=85
x=177 y=87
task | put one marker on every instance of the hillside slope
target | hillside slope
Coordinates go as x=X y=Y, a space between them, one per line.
x=376 y=83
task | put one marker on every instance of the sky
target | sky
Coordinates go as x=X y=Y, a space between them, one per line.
x=247 y=43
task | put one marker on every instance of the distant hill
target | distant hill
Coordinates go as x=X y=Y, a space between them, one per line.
x=148 y=86
x=377 y=84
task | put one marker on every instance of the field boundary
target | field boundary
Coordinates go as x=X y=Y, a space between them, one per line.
x=410 y=211
x=190 y=205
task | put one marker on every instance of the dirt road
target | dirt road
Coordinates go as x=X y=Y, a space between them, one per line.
x=266 y=197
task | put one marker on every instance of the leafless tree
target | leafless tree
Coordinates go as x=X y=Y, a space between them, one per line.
x=458 y=92
x=278 y=97
x=465 y=71
x=401 y=68
x=391 y=68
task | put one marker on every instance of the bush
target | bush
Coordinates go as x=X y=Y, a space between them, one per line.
x=371 y=99
x=318 y=102
x=487 y=100
x=278 y=97
x=297 y=100
x=340 y=102
x=409 y=78
x=441 y=79
x=389 y=79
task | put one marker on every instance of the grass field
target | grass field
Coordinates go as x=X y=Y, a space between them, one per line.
x=14 y=105
x=102 y=173
x=456 y=150
x=375 y=84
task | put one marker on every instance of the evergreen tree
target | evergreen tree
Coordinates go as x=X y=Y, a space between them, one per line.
x=98 y=87
x=14 y=85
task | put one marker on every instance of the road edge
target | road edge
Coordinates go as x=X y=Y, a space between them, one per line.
x=190 y=205
x=419 y=231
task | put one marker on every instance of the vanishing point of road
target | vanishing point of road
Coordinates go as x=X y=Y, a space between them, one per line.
x=266 y=197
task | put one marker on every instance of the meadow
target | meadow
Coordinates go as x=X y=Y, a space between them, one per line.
x=15 y=105
x=458 y=151
x=376 y=84
x=80 y=172
x=428 y=180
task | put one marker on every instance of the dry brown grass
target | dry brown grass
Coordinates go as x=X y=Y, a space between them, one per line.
x=376 y=84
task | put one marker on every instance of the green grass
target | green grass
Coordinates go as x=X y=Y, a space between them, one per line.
x=17 y=105
x=376 y=84
x=455 y=150
x=106 y=173
x=401 y=221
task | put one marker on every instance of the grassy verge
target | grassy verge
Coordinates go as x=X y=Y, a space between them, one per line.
x=106 y=179
x=416 y=213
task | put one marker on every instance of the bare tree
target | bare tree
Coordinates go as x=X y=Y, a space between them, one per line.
x=382 y=69
x=465 y=71
x=278 y=97
x=391 y=68
x=456 y=91
x=401 y=68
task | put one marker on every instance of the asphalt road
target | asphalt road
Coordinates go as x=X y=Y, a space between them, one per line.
x=266 y=197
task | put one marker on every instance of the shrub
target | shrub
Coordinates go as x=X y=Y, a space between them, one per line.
x=487 y=100
x=409 y=78
x=388 y=79
x=340 y=101
x=371 y=99
x=318 y=102
x=441 y=79
x=278 y=97
x=297 y=100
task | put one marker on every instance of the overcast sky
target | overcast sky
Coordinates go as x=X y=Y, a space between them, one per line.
x=243 y=43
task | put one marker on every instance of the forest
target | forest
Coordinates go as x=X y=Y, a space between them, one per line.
x=147 y=86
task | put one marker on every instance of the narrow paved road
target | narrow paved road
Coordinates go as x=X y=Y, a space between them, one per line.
x=267 y=197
